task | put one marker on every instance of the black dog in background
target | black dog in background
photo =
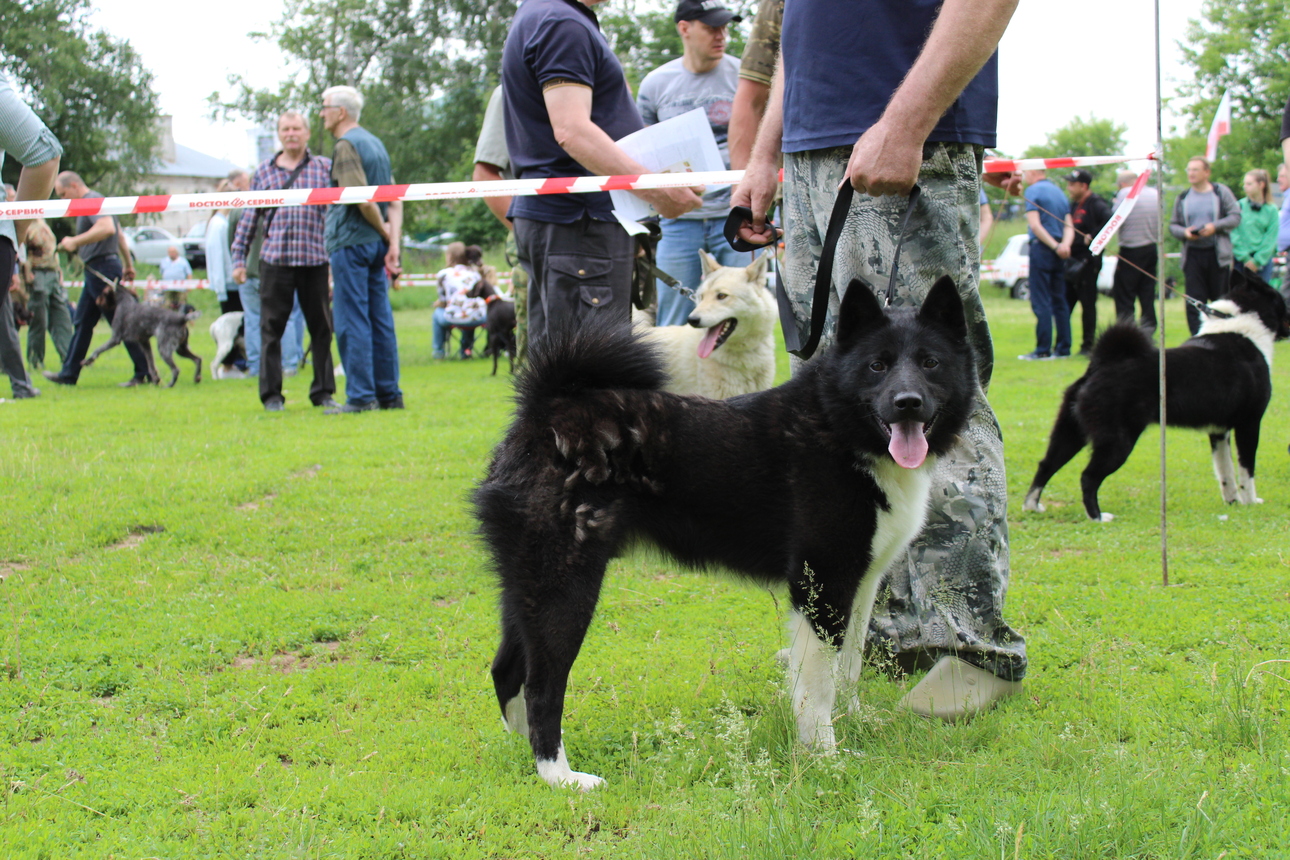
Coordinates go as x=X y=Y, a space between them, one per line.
x=819 y=484
x=1219 y=381
x=136 y=322
x=499 y=324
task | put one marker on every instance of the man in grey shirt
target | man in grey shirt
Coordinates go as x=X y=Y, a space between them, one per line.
x=1204 y=217
x=101 y=245
x=35 y=147
x=703 y=77
x=1135 y=274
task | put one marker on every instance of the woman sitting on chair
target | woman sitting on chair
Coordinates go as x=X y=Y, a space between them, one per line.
x=454 y=307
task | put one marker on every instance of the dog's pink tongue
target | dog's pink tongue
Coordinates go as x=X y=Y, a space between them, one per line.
x=908 y=444
x=709 y=342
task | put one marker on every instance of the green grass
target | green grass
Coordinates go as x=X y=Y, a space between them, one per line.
x=234 y=634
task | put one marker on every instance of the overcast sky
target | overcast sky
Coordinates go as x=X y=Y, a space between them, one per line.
x=1058 y=61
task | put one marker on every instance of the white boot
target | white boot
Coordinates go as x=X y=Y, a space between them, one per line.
x=955 y=689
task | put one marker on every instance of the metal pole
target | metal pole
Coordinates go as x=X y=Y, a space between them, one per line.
x=1160 y=322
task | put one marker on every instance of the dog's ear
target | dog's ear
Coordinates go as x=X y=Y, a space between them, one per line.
x=708 y=263
x=757 y=268
x=944 y=307
x=860 y=312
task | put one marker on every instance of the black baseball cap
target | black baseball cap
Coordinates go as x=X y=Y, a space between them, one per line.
x=1080 y=176
x=711 y=12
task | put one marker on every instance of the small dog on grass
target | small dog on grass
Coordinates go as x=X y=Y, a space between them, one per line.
x=137 y=323
x=499 y=324
x=817 y=484
x=1219 y=382
x=224 y=333
x=729 y=346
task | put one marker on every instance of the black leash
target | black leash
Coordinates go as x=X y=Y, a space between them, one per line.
x=824 y=273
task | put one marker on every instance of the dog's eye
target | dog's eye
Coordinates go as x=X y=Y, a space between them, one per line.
x=878 y=366
x=721 y=297
x=929 y=363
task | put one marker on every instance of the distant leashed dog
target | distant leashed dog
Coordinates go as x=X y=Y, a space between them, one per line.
x=729 y=346
x=1220 y=382
x=137 y=323
x=823 y=480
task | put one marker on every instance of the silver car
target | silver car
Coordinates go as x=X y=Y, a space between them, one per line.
x=149 y=244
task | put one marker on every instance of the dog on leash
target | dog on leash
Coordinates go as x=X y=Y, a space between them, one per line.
x=1218 y=381
x=824 y=480
x=224 y=332
x=499 y=322
x=137 y=323
x=729 y=346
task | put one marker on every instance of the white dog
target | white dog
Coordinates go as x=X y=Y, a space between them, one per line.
x=729 y=346
x=224 y=331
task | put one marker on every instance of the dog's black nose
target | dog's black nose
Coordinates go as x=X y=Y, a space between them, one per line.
x=909 y=401
x=695 y=321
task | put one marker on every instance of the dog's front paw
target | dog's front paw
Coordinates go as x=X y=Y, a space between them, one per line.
x=1032 y=503
x=1104 y=518
x=86 y=362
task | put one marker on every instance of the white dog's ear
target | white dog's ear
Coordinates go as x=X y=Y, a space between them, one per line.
x=758 y=268
x=708 y=262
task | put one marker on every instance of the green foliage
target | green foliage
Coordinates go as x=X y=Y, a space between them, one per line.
x=89 y=88
x=297 y=666
x=1241 y=46
x=1090 y=136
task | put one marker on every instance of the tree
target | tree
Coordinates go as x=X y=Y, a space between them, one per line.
x=1090 y=136
x=90 y=89
x=1241 y=46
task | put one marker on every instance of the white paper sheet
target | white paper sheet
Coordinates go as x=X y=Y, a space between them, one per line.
x=682 y=144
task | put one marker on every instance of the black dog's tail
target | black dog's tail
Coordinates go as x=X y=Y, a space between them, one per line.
x=1121 y=342
x=594 y=355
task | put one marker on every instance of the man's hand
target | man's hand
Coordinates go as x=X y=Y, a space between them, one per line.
x=885 y=160
x=1063 y=250
x=1007 y=180
x=757 y=192
x=127 y=271
x=1190 y=234
x=1250 y=264
x=239 y=275
x=393 y=266
x=68 y=244
x=672 y=202
x=1207 y=231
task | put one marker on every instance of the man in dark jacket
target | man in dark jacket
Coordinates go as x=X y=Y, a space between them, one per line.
x=1089 y=214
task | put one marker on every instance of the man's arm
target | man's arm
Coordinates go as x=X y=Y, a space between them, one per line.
x=985 y=223
x=746 y=112
x=761 y=176
x=499 y=206
x=347 y=169
x=127 y=261
x=569 y=108
x=34 y=183
x=103 y=228
x=886 y=159
x=1041 y=233
x=394 y=220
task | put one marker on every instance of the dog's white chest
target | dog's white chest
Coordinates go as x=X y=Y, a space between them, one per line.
x=907 y=492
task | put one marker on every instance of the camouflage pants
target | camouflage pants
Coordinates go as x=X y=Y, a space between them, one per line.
x=520 y=293
x=947 y=594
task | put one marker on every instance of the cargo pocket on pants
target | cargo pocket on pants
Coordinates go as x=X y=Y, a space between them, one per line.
x=582 y=280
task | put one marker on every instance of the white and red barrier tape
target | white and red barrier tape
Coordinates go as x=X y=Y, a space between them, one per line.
x=415 y=280
x=153 y=204
x=1122 y=212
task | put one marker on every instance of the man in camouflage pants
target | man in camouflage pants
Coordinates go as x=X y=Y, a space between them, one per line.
x=925 y=121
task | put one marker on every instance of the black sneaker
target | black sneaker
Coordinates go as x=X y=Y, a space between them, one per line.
x=54 y=377
x=328 y=403
x=396 y=403
x=1035 y=356
x=25 y=393
x=274 y=404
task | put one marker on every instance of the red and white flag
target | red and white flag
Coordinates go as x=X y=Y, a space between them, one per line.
x=1221 y=125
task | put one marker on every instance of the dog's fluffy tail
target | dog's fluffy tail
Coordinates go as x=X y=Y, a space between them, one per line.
x=1122 y=342
x=587 y=357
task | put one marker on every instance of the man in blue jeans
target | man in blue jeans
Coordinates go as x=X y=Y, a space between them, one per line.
x=1049 y=216
x=363 y=243
x=703 y=77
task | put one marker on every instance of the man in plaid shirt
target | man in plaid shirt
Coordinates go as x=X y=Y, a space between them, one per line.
x=293 y=262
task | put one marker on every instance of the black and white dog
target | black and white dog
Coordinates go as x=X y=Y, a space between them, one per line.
x=1219 y=382
x=822 y=481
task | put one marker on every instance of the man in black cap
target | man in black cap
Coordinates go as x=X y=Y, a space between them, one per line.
x=705 y=77
x=1089 y=214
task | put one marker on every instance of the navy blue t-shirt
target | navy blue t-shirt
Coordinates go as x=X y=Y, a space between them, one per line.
x=559 y=40
x=843 y=62
x=1048 y=200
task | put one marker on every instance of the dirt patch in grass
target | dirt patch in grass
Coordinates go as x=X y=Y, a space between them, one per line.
x=287 y=662
x=9 y=568
x=136 y=536
x=256 y=504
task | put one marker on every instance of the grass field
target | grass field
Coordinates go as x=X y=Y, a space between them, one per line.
x=234 y=634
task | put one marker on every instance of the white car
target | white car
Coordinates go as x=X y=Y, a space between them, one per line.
x=1011 y=269
x=149 y=244
x=194 y=245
